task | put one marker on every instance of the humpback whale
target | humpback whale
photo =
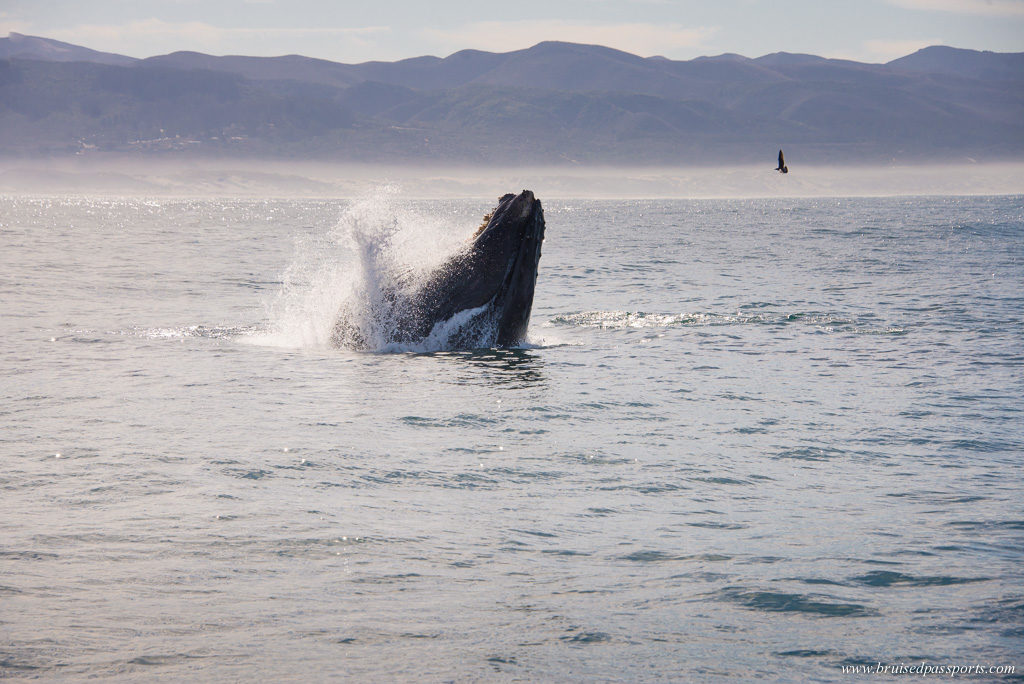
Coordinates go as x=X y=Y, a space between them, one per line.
x=479 y=298
x=782 y=168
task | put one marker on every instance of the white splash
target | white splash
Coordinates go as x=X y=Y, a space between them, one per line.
x=379 y=247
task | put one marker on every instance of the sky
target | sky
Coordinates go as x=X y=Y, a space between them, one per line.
x=361 y=30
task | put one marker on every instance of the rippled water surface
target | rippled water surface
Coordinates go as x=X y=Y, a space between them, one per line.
x=749 y=438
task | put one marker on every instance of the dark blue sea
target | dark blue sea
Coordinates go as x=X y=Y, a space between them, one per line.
x=748 y=439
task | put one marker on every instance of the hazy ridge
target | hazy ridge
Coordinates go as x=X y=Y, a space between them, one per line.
x=558 y=103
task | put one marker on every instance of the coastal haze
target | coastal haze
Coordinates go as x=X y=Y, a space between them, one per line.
x=146 y=176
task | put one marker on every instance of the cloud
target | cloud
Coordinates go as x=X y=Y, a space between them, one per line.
x=153 y=36
x=502 y=36
x=9 y=24
x=982 y=7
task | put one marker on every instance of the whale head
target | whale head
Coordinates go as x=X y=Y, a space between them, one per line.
x=500 y=269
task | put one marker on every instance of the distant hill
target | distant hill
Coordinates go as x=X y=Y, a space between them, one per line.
x=553 y=102
x=31 y=47
x=289 y=67
x=938 y=59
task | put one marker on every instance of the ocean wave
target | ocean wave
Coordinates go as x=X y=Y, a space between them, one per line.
x=827 y=322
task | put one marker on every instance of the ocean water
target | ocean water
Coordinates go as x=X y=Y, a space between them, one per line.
x=747 y=439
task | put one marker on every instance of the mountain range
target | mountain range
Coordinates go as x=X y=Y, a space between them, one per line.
x=554 y=102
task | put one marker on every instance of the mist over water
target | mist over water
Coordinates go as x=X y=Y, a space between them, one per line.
x=216 y=178
x=749 y=438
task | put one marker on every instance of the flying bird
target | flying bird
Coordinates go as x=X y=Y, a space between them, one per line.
x=782 y=168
